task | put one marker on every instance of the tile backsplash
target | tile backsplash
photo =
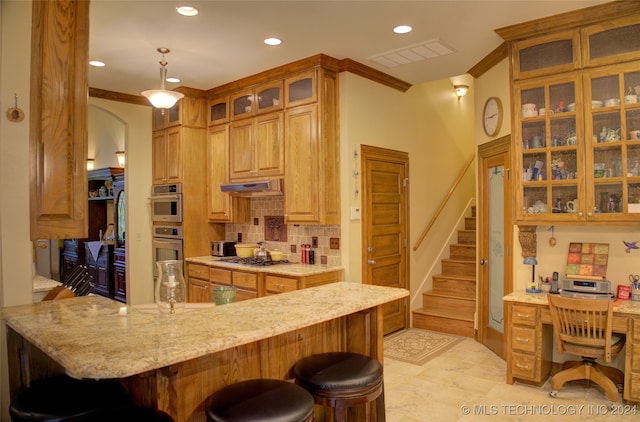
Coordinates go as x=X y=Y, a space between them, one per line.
x=296 y=234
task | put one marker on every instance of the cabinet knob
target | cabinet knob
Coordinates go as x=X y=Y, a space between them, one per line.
x=371 y=261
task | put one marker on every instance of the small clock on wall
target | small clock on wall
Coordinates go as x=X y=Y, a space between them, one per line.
x=492 y=116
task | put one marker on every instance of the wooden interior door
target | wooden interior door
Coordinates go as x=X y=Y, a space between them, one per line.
x=385 y=226
x=495 y=246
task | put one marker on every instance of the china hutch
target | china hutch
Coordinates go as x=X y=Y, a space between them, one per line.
x=576 y=120
x=576 y=150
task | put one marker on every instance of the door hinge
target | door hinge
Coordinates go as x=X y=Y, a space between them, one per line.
x=508 y=173
x=404 y=242
x=404 y=182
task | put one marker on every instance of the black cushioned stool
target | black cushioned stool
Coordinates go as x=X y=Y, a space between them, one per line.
x=342 y=379
x=260 y=400
x=62 y=398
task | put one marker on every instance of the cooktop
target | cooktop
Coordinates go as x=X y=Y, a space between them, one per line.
x=252 y=261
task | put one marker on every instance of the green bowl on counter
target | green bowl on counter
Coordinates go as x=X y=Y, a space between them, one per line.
x=224 y=294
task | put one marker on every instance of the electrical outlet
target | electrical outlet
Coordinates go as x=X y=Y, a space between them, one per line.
x=239 y=237
x=323 y=259
x=293 y=249
x=334 y=243
x=256 y=221
x=314 y=242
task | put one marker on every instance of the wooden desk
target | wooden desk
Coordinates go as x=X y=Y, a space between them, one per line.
x=174 y=362
x=530 y=341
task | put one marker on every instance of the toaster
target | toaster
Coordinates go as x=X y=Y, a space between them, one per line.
x=223 y=248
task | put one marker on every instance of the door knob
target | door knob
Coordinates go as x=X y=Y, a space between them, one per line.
x=484 y=261
x=371 y=261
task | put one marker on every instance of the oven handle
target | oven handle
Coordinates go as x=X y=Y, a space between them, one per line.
x=154 y=197
x=166 y=240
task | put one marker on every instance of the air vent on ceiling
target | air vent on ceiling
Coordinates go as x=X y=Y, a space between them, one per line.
x=414 y=53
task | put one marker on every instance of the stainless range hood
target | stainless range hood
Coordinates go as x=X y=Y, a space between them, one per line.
x=270 y=187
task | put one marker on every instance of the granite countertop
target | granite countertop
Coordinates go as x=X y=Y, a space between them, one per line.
x=95 y=337
x=624 y=306
x=291 y=269
x=43 y=284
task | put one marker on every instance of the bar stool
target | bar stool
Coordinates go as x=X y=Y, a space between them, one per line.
x=260 y=400
x=342 y=379
x=62 y=398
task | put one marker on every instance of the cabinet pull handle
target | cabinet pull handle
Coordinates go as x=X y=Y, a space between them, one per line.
x=524 y=340
x=522 y=366
x=522 y=315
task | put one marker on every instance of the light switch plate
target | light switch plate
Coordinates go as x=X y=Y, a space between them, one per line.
x=355 y=213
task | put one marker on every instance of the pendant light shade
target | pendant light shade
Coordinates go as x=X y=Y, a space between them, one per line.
x=161 y=98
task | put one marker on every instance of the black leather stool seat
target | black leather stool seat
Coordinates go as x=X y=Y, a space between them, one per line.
x=126 y=414
x=62 y=398
x=342 y=379
x=260 y=400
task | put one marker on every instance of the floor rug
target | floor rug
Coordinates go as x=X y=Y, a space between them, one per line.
x=418 y=346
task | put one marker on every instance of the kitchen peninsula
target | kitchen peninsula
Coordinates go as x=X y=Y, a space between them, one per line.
x=174 y=362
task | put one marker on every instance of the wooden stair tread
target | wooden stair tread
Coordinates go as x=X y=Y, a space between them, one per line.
x=456 y=277
x=448 y=295
x=450 y=314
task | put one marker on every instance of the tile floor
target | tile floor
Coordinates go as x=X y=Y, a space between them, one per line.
x=467 y=383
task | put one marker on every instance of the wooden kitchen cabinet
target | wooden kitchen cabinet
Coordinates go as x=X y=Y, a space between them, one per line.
x=218 y=111
x=301 y=89
x=222 y=207
x=199 y=288
x=575 y=151
x=300 y=144
x=167 y=160
x=276 y=283
x=256 y=147
x=246 y=284
x=312 y=181
x=58 y=134
x=263 y=98
x=187 y=112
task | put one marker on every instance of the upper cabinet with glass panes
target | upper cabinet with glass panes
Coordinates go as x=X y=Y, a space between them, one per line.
x=576 y=114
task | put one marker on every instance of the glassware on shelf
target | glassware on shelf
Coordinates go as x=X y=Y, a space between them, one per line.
x=170 y=292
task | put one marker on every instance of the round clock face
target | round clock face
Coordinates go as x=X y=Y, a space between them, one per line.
x=492 y=116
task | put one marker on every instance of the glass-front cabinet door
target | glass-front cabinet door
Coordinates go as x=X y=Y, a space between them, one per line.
x=613 y=125
x=549 y=147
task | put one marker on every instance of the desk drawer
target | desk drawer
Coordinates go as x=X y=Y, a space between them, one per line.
x=523 y=339
x=523 y=315
x=523 y=366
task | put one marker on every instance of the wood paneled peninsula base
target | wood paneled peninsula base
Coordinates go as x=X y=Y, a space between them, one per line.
x=174 y=362
x=530 y=342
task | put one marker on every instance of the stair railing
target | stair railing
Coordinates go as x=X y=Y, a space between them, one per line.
x=443 y=203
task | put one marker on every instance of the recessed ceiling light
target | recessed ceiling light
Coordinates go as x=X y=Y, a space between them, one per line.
x=173 y=80
x=97 y=63
x=402 y=29
x=273 y=41
x=187 y=10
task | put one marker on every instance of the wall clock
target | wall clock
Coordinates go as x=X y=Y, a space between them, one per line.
x=492 y=116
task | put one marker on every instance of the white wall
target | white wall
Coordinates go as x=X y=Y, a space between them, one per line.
x=435 y=129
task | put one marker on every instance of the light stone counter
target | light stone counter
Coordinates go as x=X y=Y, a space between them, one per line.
x=291 y=269
x=623 y=306
x=94 y=337
x=43 y=284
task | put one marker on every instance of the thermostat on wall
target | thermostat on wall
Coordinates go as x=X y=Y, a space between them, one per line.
x=355 y=213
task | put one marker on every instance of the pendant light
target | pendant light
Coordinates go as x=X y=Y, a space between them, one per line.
x=161 y=98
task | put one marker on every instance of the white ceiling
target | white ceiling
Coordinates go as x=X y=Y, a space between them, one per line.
x=224 y=42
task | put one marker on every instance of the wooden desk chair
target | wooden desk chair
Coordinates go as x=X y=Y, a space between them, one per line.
x=583 y=327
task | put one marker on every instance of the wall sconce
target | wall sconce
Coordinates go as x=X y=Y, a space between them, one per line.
x=90 y=163
x=120 y=155
x=461 y=90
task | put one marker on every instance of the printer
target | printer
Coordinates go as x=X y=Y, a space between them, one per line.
x=583 y=288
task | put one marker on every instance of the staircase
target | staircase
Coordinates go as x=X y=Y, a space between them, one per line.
x=451 y=305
